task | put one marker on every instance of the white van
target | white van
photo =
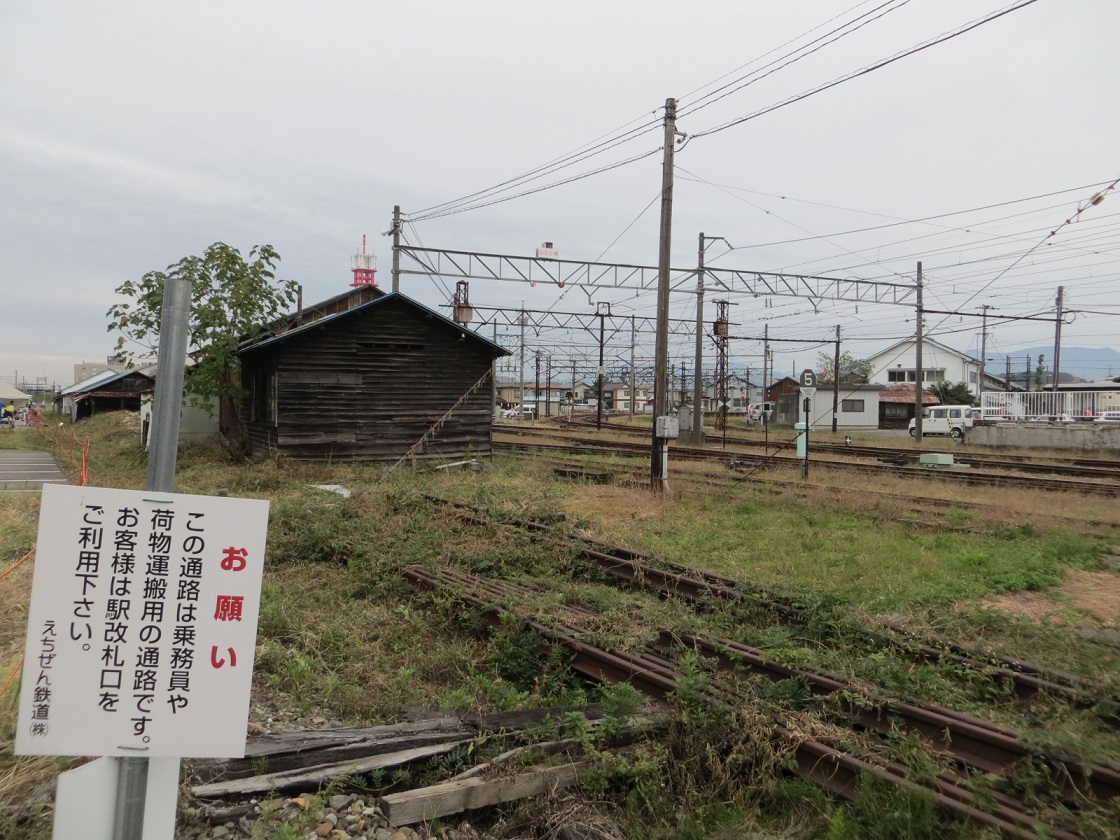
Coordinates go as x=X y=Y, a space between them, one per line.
x=953 y=420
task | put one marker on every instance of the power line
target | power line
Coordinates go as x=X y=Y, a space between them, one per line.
x=871 y=68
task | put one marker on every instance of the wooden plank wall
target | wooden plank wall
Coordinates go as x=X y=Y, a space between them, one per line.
x=366 y=387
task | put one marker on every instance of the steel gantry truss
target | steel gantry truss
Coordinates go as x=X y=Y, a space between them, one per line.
x=592 y=276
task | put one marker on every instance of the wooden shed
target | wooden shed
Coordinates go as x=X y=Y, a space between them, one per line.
x=108 y=390
x=366 y=383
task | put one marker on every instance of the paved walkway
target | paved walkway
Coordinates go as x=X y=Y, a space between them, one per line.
x=26 y=471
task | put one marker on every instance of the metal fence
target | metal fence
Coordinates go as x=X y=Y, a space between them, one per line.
x=1034 y=405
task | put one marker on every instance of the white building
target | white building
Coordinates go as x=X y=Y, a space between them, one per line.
x=897 y=365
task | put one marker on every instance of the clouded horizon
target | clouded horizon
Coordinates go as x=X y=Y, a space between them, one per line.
x=133 y=134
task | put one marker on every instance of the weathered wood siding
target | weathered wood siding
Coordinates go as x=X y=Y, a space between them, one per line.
x=367 y=386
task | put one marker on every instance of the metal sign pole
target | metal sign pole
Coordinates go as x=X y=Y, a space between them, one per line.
x=805 y=463
x=132 y=773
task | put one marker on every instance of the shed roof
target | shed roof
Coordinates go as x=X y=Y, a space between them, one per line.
x=250 y=346
x=10 y=392
x=99 y=380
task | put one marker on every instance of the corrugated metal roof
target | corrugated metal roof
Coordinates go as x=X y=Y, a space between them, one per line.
x=251 y=346
x=99 y=379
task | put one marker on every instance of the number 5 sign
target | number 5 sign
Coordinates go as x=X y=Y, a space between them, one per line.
x=808 y=379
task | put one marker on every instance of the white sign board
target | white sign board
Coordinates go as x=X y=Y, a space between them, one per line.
x=808 y=392
x=143 y=624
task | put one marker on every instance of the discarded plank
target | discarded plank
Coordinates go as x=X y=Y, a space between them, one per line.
x=428 y=803
x=288 y=751
x=312 y=777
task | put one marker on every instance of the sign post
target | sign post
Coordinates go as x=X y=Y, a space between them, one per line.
x=808 y=381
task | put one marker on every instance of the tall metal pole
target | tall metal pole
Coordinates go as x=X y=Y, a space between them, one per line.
x=767 y=372
x=659 y=470
x=521 y=373
x=633 y=371
x=984 y=358
x=698 y=385
x=599 y=408
x=396 y=247
x=918 y=362
x=548 y=387
x=494 y=412
x=836 y=380
x=537 y=386
x=1058 y=338
x=132 y=773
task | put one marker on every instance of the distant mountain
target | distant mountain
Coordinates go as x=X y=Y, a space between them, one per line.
x=1089 y=363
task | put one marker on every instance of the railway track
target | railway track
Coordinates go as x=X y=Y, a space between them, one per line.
x=974 y=745
x=1103 y=468
x=578 y=446
x=1026 y=679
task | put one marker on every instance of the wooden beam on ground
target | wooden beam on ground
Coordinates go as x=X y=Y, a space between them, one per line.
x=429 y=803
x=309 y=778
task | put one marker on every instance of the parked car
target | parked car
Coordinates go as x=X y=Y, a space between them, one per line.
x=1107 y=417
x=1053 y=418
x=953 y=420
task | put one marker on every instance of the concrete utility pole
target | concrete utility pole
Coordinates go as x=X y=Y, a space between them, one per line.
x=521 y=374
x=984 y=359
x=918 y=362
x=495 y=412
x=836 y=380
x=659 y=469
x=1058 y=337
x=396 y=247
x=697 y=385
x=537 y=386
x=548 y=386
x=602 y=320
x=767 y=371
x=633 y=371
x=722 y=329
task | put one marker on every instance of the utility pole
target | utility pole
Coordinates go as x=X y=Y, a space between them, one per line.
x=767 y=371
x=684 y=388
x=572 y=402
x=602 y=318
x=633 y=372
x=494 y=414
x=396 y=229
x=721 y=330
x=984 y=358
x=698 y=385
x=659 y=448
x=1058 y=337
x=836 y=380
x=521 y=375
x=918 y=362
x=1007 y=376
x=537 y=385
x=548 y=386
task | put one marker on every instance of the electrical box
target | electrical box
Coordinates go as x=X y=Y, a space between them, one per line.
x=668 y=427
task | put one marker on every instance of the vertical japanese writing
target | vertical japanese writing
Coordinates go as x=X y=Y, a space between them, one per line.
x=185 y=634
x=229 y=607
x=118 y=608
x=145 y=672
x=87 y=570
x=41 y=693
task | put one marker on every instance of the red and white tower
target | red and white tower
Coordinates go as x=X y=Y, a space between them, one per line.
x=364 y=267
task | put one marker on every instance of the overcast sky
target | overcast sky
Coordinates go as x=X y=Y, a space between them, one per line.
x=135 y=133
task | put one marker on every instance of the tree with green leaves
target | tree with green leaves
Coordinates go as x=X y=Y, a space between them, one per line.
x=952 y=393
x=232 y=299
x=853 y=371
